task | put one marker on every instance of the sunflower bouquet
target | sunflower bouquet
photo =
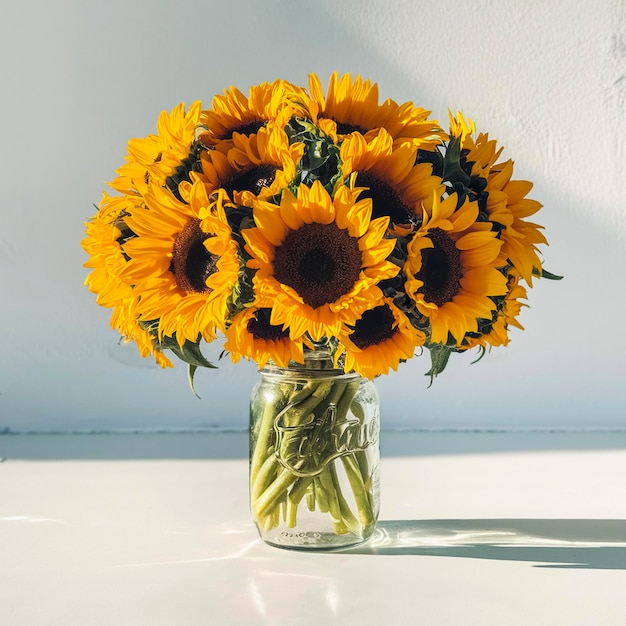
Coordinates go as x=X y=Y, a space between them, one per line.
x=292 y=219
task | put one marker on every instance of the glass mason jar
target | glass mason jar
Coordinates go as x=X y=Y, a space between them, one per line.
x=314 y=456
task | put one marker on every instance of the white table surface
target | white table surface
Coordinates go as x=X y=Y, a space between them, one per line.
x=152 y=529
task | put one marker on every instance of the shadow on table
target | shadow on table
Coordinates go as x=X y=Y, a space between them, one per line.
x=553 y=543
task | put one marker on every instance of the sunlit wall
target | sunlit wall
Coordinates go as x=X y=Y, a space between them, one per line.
x=547 y=79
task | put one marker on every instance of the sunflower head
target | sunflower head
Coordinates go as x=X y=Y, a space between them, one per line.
x=389 y=175
x=166 y=157
x=474 y=162
x=379 y=340
x=183 y=262
x=253 y=336
x=234 y=113
x=453 y=269
x=105 y=234
x=318 y=258
x=259 y=166
x=494 y=332
x=348 y=105
x=352 y=106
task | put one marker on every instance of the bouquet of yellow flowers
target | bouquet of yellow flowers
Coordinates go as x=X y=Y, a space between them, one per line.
x=287 y=217
x=290 y=219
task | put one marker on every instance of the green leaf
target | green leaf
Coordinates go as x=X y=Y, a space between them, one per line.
x=190 y=353
x=316 y=155
x=452 y=170
x=242 y=294
x=190 y=374
x=482 y=351
x=439 y=355
x=545 y=274
x=434 y=157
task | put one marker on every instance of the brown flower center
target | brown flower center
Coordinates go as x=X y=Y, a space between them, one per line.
x=345 y=128
x=245 y=128
x=252 y=179
x=191 y=262
x=374 y=327
x=385 y=200
x=441 y=268
x=321 y=262
x=260 y=328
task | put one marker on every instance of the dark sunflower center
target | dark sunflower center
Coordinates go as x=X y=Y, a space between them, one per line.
x=441 y=268
x=321 y=262
x=385 y=200
x=252 y=179
x=345 y=128
x=374 y=327
x=245 y=128
x=260 y=328
x=191 y=262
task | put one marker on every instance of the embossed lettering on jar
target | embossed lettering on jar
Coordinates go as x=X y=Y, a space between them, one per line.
x=314 y=456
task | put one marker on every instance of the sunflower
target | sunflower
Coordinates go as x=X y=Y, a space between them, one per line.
x=258 y=166
x=452 y=269
x=252 y=336
x=166 y=157
x=105 y=232
x=494 y=332
x=379 y=340
x=106 y=259
x=406 y=122
x=504 y=200
x=233 y=113
x=352 y=106
x=124 y=319
x=348 y=106
x=318 y=259
x=183 y=263
x=389 y=176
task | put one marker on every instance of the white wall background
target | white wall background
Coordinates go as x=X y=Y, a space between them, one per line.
x=547 y=79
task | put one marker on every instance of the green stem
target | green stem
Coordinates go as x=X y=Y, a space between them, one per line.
x=321 y=497
x=277 y=492
x=346 y=400
x=331 y=494
x=299 y=395
x=361 y=497
x=299 y=489
x=360 y=457
x=265 y=435
x=263 y=478
x=310 y=496
x=293 y=413
x=273 y=495
x=347 y=516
